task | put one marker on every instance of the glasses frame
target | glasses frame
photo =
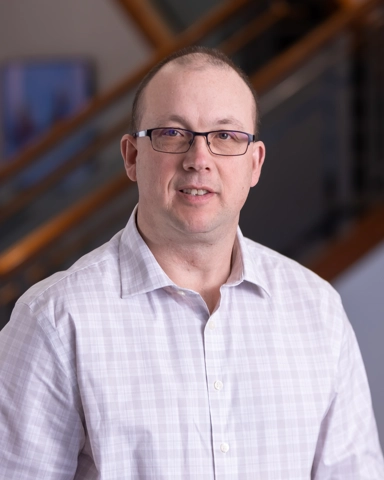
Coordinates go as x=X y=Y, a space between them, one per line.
x=148 y=133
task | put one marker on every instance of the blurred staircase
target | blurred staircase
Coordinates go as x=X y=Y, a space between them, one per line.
x=315 y=66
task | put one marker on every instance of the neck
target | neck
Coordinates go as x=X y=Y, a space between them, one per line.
x=202 y=266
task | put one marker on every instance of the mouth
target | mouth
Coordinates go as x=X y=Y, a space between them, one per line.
x=194 y=191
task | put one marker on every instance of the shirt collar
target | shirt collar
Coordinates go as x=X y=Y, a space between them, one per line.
x=139 y=270
x=141 y=273
x=246 y=266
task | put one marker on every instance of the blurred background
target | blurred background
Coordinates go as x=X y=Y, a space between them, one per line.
x=68 y=73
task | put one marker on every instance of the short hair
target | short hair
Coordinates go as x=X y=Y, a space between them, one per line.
x=205 y=55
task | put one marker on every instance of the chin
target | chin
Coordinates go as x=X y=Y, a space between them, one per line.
x=202 y=225
x=200 y=228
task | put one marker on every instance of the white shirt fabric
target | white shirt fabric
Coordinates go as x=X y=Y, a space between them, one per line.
x=111 y=371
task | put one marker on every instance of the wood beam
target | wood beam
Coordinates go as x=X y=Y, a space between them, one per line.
x=149 y=21
x=348 y=3
x=285 y=63
x=255 y=27
x=18 y=255
x=29 y=194
x=343 y=252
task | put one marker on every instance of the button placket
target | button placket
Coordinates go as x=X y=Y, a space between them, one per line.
x=214 y=368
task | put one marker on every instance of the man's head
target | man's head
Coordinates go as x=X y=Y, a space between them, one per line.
x=197 y=193
x=190 y=56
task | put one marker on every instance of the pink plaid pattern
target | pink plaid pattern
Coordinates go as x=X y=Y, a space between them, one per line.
x=111 y=371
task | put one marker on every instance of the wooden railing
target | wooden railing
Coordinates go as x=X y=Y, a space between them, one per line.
x=290 y=60
x=344 y=251
x=19 y=255
x=37 y=189
x=256 y=27
x=149 y=21
x=32 y=244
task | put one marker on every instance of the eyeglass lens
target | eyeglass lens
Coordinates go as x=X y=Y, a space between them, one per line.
x=223 y=142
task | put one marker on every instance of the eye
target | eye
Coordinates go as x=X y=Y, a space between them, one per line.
x=224 y=135
x=170 y=132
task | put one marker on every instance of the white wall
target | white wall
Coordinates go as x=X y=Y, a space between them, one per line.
x=362 y=290
x=94 y=28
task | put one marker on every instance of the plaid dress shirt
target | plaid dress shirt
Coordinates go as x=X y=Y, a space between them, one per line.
x=111 y=371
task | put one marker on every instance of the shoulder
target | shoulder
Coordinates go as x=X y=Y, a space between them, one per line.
x=301 y=301
x=283 y=272
x=296 y=293
x=84 y=281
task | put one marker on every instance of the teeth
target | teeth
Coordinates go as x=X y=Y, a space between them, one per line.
x=194 y=191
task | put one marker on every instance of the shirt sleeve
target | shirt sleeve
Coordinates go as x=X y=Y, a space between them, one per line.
x=41 y=425
x=348 y=447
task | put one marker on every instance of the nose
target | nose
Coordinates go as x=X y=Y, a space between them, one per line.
x=198 y=156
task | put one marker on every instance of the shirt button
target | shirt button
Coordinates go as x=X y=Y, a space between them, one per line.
x=218 y=385
x=224 y=447
x=180 y=292
x=211 y=325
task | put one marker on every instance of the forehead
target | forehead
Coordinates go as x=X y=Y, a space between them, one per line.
x=198 y=90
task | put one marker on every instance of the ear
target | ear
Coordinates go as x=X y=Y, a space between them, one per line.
x=258 y=156
x=129 y=153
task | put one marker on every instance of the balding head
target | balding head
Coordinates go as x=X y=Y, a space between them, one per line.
x=194 y=58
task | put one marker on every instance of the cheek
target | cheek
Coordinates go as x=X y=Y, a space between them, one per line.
x=238 y=184
x=240 y=179
x=145 y=179
x=154 y=178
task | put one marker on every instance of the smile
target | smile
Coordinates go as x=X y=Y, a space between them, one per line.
x=194 y=191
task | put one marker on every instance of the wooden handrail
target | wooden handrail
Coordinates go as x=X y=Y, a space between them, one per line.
x=36 y=190
x=32 y=244
x=347 y=3
x=15 y=257
x=343 y=252
x=35 y=272
x=294 y=56
x=149 y=21
x=101 y=102
x=260 y=24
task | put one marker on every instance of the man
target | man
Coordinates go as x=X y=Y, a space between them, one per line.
x=181 y=349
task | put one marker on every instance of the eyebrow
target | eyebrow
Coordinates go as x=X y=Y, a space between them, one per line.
x=219 y=121
x=229 y=121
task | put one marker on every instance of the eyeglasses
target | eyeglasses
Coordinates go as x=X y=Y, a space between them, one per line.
x=227 y=143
